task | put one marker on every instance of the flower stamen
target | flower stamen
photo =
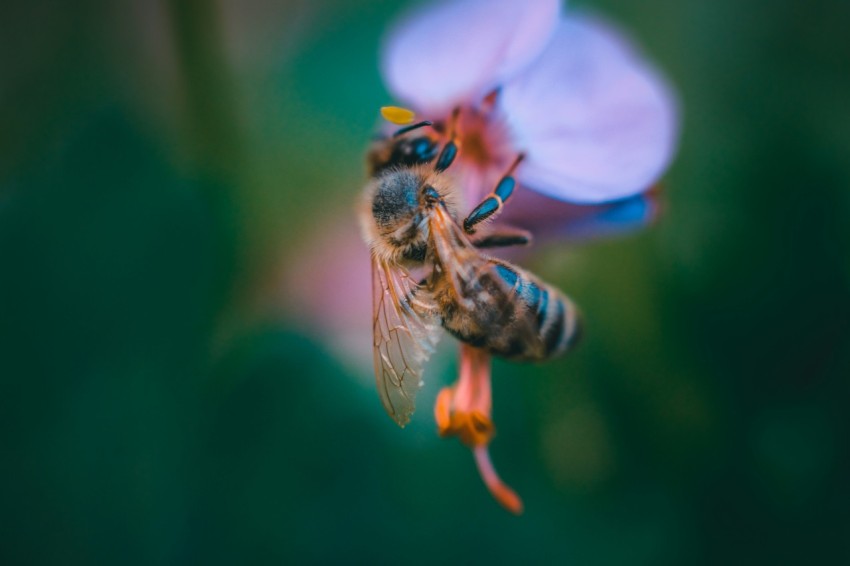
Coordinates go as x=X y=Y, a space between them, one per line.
x=463 y=410
x=506 y=496
x=397 y=115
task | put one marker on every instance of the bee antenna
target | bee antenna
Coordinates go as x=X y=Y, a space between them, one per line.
x=410 y=128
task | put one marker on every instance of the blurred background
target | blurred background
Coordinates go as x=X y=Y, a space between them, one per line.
x=166 y=397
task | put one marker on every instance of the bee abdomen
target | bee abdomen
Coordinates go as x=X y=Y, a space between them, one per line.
x=560 y=324
x=515 y=316
x=553 y=316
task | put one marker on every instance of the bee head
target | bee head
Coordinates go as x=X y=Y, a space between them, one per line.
x=405 y=151
x=396 y=206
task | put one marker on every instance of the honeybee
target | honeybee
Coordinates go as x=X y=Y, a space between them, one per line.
x=409 y=216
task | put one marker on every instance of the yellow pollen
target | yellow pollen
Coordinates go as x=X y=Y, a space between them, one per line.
x=397 y=115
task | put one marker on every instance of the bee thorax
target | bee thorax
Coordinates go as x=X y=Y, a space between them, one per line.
x=395 y=201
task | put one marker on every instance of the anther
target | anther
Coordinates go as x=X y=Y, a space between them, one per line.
x=397 y=115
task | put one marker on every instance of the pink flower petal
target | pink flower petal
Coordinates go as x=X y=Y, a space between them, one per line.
x=330 y=292
x=597 y=121
x=446 y=53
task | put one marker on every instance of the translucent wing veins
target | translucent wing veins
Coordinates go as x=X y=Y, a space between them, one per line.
x=405 y=330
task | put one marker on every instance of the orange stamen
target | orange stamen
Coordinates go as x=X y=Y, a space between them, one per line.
x=473 y=391
x=453 y=125
x=463 y=410
x=500 y=491
x=473 y=428
x=489 y=102
x=443 y=410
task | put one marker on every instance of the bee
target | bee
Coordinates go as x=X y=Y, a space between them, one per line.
x=410 y=220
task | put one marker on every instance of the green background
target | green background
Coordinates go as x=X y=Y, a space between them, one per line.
x=160 y=163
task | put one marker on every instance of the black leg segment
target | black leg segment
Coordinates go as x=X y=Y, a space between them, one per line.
x=503 y=238
x=494 y=201
x=447 y=156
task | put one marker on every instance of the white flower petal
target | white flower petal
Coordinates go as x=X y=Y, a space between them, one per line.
x=447 y=53
x=596 y=120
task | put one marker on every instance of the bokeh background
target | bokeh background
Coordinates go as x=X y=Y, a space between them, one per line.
x=164 y=398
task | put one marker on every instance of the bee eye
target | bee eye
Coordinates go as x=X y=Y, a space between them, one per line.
x=430 y=194
x=413 y=151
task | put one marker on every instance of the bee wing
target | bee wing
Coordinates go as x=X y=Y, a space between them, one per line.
x=405 y=330
x=458 y=257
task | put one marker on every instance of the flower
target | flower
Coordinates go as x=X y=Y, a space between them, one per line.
x=463 y=410
x=594 y=121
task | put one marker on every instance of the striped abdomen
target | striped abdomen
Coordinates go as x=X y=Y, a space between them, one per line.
x=516 y=315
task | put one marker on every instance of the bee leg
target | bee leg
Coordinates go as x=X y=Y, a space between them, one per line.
x=503 y=238
x=420 y=300
x=493 y=202
x=449 y=152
